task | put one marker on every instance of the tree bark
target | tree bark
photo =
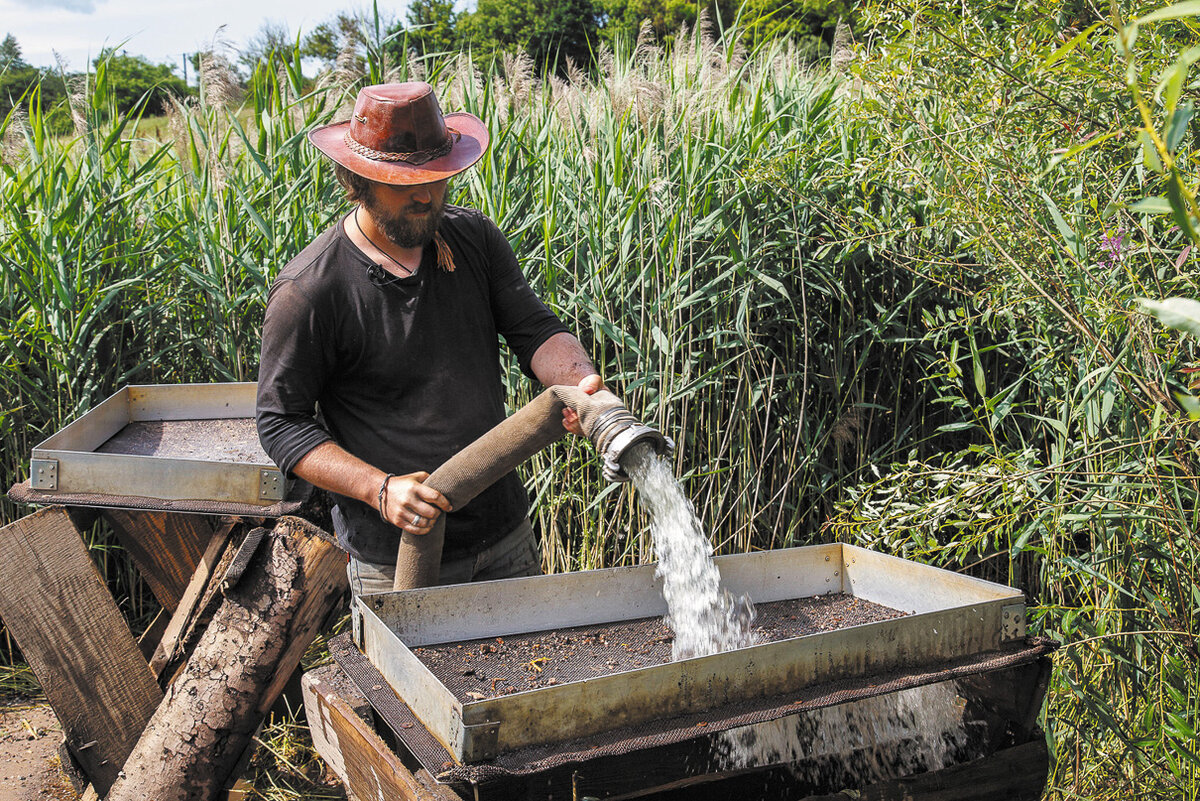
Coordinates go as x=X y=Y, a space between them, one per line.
x=256 y=638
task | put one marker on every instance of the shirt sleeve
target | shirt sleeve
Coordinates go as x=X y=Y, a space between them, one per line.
x=521 y=317
x=291 y=375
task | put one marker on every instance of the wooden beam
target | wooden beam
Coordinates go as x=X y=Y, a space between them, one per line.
x=80 y=648
x=166 y=548
x=149 y=640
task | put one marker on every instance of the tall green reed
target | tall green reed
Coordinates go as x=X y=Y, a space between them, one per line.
x=654 y=206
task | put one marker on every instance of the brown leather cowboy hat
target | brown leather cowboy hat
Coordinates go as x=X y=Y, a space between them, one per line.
x=399 y=136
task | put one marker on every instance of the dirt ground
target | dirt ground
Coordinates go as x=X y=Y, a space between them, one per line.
x=29 y=767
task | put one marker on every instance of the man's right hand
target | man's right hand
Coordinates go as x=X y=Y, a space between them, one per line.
x=410 y=505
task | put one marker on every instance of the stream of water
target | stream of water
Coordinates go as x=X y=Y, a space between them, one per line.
x=705 y=618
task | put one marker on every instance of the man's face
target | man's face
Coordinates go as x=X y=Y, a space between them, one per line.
x=408 y=215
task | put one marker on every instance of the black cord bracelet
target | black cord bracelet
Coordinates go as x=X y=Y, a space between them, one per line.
x=382 y=498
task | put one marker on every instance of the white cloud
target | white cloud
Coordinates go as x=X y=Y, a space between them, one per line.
x=79 y=6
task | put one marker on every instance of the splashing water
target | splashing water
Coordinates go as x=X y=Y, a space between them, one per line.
x=706 y=619
x=871 y=739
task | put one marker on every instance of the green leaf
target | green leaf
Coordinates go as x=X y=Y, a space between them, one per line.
x=980 y=383
x=1177 y=124
x=1181 y=314
x=1152 y=205
x=1174 y=79
x=1022 y=540
x=1075 y=150
x=1058 y=425
x=660 y=339
x=1187 y=9
x=1149 y=152
x=1179 y=206
x=1069 y=235
x=948 y=427
x=1074 y=42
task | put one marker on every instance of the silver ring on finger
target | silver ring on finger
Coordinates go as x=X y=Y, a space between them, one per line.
x=416 y=521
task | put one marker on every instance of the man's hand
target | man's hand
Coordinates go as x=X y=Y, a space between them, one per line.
x=590 y=384
x=410 y=505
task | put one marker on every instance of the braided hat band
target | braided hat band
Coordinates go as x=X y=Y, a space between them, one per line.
x=415 y=157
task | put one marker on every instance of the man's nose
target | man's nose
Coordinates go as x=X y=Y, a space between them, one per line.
x=422 y=195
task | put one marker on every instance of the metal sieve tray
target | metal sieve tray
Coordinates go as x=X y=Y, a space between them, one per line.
x=947 y=615
x=167 y=441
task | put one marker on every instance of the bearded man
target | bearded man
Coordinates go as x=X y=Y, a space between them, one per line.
x=380 y=353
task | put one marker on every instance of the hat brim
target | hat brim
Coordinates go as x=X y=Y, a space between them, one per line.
x=470 y=147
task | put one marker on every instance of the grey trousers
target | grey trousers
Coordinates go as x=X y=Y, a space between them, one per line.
x=516 y=555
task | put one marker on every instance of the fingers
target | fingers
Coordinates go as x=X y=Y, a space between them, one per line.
x=431 y=496
x=571 y=422
x=591 y=384
x=412 y=506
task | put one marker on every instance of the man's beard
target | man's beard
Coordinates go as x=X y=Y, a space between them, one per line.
x=404 y=230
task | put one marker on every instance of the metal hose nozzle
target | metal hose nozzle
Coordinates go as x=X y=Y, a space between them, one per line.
x=615 y=432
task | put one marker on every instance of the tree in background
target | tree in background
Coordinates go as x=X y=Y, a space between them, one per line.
x=798 y=19
x=341 y=44
x=430 y=27
x=550 y=31
x=18 y=79
x=270 y=42
x=10 y=54
x=624 y=17
x=133 y=80
x=321 y=43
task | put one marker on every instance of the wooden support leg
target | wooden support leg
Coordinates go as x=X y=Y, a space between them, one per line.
x=80 y=648
x=244 y=658
x=166 y=548
x=200 y=580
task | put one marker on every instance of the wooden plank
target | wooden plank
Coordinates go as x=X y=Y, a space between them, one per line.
x=354 y=752
x=168 y=646
x=80 y=648
x=166 y=548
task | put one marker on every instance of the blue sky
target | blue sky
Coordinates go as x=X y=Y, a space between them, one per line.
x=161 y=31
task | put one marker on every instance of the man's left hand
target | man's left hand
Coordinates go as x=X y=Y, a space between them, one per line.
x=590 y=384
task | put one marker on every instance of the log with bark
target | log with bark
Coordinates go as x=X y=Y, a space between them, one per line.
x=257 y=636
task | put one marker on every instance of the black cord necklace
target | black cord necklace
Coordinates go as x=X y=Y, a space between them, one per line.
x=378 y=275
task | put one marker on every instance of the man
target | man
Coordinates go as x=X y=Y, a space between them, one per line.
x=380 y=357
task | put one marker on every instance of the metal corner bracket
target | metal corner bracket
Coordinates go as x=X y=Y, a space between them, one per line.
x=43 y=474
x=270 y=484
x=1013 y=622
